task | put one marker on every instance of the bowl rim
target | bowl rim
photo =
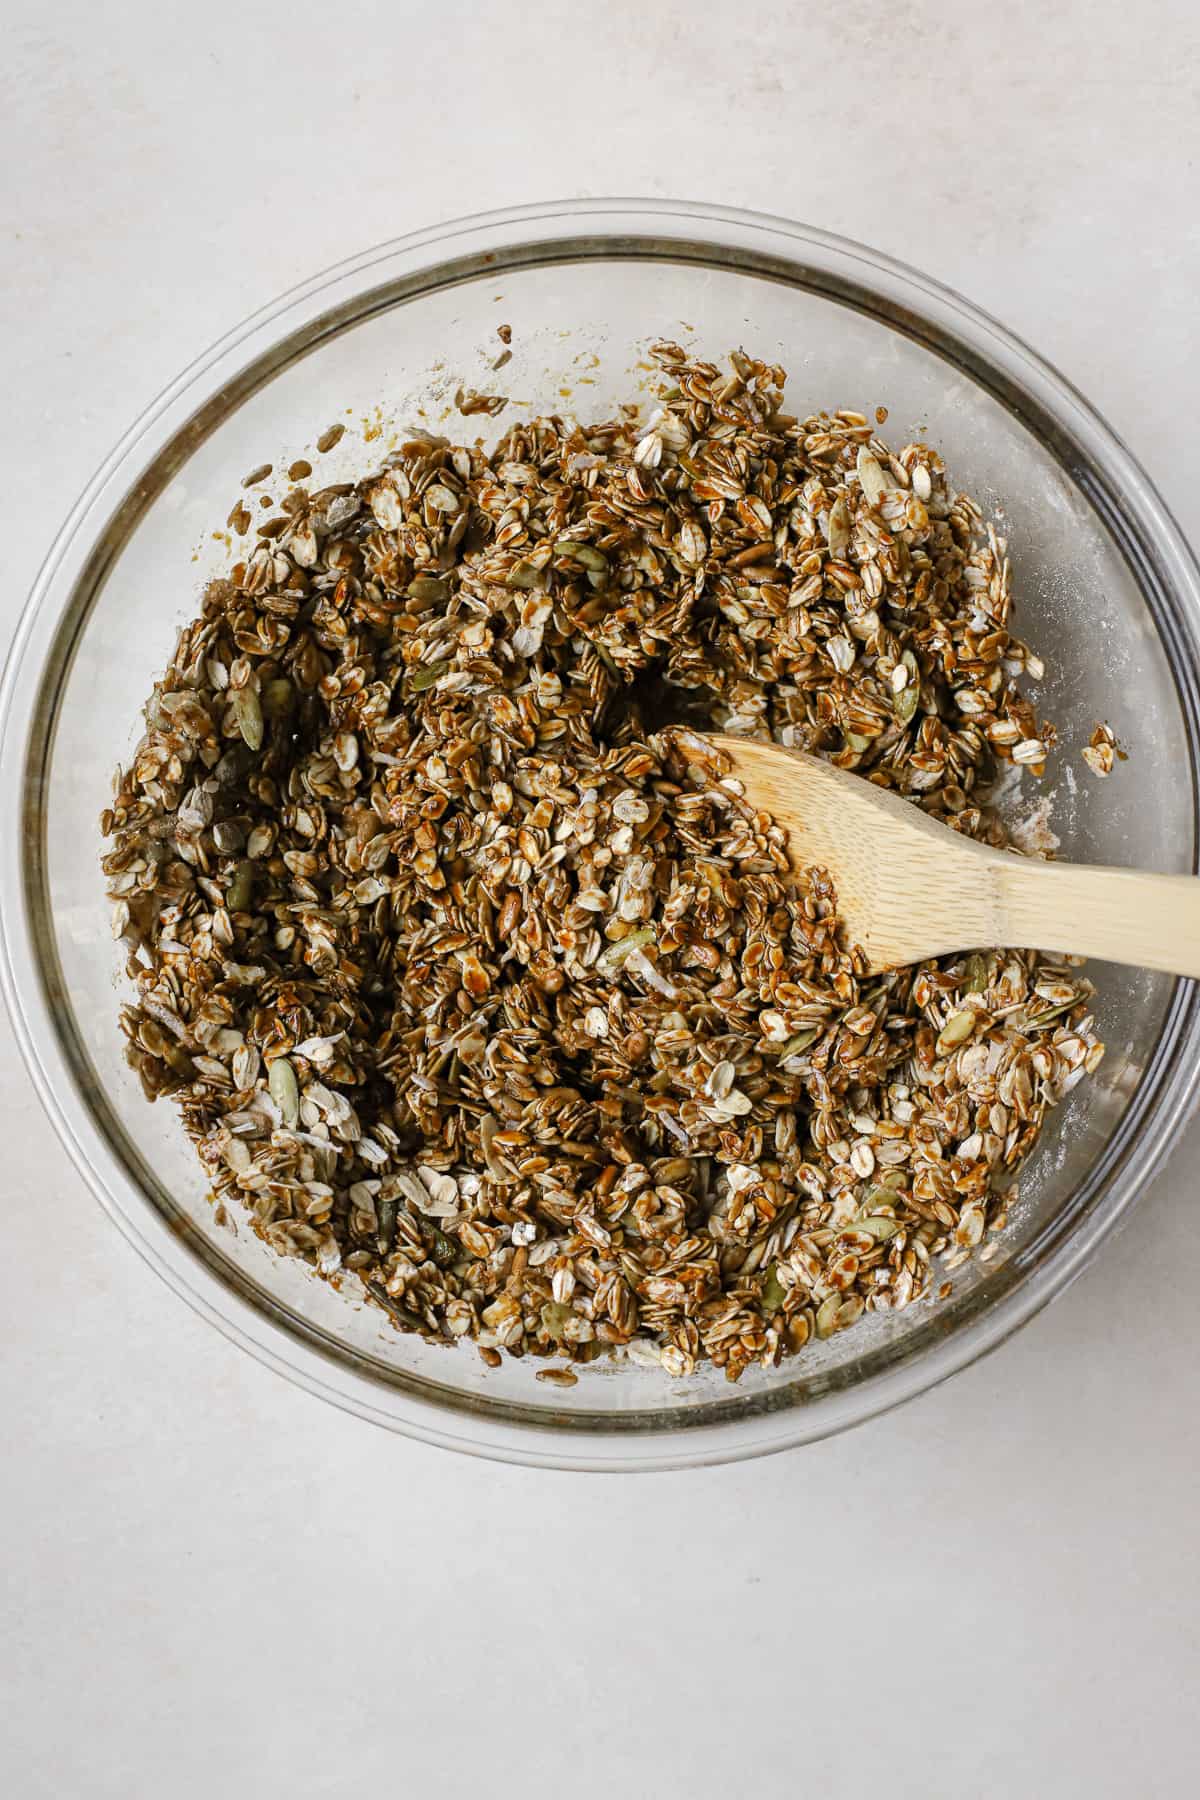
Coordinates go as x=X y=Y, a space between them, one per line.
x=925 y=309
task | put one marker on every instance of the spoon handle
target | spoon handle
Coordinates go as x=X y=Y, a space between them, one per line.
x=1118 y=915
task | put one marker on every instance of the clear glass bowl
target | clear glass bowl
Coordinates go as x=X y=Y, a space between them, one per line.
x=1107 y=589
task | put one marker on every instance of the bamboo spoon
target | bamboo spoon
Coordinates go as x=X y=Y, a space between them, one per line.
x=909 y=888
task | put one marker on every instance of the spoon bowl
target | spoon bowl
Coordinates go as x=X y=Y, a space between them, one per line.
x=909 y=887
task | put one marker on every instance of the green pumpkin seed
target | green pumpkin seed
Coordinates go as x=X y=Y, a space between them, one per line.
x=442 y=1250
x=975 y=975
x=554 y=1317
x=285 y=1091
x=277 y=698
x=907 y=702
x=427 y=587
x=827 y=1314
x=248 y=713
x=878 y=1226
x=800 y=1041
x=523 y=574
x=385 y=1219
x=957 y=1030
x=615 y=954
x=587 y=554
x=403 y=1315
x=240 y=891
x=773 y=1291
x=426 y=677
x=857 y=742
x=1052 y=1012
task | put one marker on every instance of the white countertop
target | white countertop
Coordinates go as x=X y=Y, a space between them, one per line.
x=213 y=1584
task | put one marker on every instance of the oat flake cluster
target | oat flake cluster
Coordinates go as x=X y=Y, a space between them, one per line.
x=468 y=975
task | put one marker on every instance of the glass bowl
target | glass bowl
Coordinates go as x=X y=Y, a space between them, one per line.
x=1107 y=591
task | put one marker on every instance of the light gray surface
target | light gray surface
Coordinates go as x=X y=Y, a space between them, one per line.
x=213 y=1583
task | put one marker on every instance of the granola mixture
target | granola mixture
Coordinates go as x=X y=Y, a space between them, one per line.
x=467 y=976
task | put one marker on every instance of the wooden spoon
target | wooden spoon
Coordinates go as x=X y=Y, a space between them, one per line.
x=909 y=887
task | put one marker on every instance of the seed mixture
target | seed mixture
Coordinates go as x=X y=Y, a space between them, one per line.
x=469 y=972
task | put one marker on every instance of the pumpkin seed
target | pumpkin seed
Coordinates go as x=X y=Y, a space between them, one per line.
x=906 y=704
x=403 y=1315
x=442 y=1250
x=285 y=1091
x=586 y=554
x=827 y=1315
x=907 y=698
x=555 y=1316
x=240 y=891
x=955 y=1031
x=428 y=587
x=524 y=574
x=975 y=975
x=385 y=1218
x=774 y=1292
x=277 y=698
x=878 y=1226
x=248 y=712
x=616 y=953
x=426 y=677
x=1052 y=1012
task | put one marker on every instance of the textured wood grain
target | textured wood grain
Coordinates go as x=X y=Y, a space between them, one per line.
x=909 y=887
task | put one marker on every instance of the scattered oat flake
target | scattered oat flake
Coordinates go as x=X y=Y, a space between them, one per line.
x=1102 y=752
x=257 y=475
x=468 y=402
